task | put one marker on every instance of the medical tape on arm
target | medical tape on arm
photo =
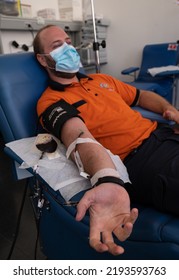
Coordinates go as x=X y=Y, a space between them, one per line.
x=105 y=175
x=106 y=172
x=77 y=158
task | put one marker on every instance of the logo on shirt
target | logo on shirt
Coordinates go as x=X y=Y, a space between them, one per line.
x=104 y=85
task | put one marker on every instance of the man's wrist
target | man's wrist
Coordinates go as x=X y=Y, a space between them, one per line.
x=109 y=179
x=103 y=173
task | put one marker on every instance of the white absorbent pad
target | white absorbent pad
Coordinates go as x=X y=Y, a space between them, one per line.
x=157 y=70
x=60 y=173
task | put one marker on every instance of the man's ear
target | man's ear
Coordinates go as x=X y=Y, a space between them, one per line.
x=41 y=59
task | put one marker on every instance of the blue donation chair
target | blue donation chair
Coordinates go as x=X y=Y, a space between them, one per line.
x=155 y=234
x=158 y=71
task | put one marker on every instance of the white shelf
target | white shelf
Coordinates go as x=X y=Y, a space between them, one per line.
x=18 y=23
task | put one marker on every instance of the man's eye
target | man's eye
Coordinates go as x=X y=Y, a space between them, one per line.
x=56 y=46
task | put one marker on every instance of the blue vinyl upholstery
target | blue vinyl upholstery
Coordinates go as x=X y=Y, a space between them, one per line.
x=155 y=235
x=22 y=83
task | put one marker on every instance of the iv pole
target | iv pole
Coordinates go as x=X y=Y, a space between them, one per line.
x=95 y=44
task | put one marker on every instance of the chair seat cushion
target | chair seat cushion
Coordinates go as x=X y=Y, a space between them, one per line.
x=152 y=225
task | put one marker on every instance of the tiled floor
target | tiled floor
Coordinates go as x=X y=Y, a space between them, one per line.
x=11 y=193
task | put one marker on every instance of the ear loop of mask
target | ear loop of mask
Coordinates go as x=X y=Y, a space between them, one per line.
x=47 y=54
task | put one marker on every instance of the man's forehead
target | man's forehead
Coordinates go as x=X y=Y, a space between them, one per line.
x=53 y=35
x=54 y=30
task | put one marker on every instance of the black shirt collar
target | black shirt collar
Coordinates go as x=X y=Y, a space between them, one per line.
x=60 y=87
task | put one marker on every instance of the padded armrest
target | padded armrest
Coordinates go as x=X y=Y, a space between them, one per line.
x=168 y=73
x=164 y=71
x=129 y=70
x=152 y=116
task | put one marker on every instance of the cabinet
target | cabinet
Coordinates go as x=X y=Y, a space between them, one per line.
x=22 y=31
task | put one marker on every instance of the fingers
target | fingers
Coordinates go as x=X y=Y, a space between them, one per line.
x=82 y=207
x=169 y=115
x=134 y=215
x=97 y=245
x=124 y=231
x=95 y=241
x=107 y=243
x=81 y=211
x=113 y=248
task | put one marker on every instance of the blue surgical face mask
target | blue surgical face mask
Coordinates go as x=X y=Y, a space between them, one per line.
x=67 y=59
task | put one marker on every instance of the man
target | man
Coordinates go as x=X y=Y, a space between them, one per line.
x=74 y=107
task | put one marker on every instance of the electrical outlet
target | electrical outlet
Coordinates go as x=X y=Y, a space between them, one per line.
x=28 y=25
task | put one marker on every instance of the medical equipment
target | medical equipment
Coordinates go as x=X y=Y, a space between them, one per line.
x=93 y=36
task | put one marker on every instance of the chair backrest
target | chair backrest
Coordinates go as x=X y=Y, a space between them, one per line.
x=22 y=81
x=157 y=55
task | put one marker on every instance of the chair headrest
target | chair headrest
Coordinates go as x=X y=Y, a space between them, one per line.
x=22 y=82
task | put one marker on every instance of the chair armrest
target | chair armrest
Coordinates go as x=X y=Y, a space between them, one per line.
x=164 y=71
x=129 y=70
x=168 y=73
x=152 y=116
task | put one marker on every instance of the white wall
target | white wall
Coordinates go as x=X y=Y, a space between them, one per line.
x=37 y=5
x=134 y=23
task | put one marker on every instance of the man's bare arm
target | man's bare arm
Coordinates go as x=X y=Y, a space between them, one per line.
x=156 y=103
x=108 y=203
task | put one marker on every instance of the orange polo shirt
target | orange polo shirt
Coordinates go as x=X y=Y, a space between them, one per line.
x=106 y=111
